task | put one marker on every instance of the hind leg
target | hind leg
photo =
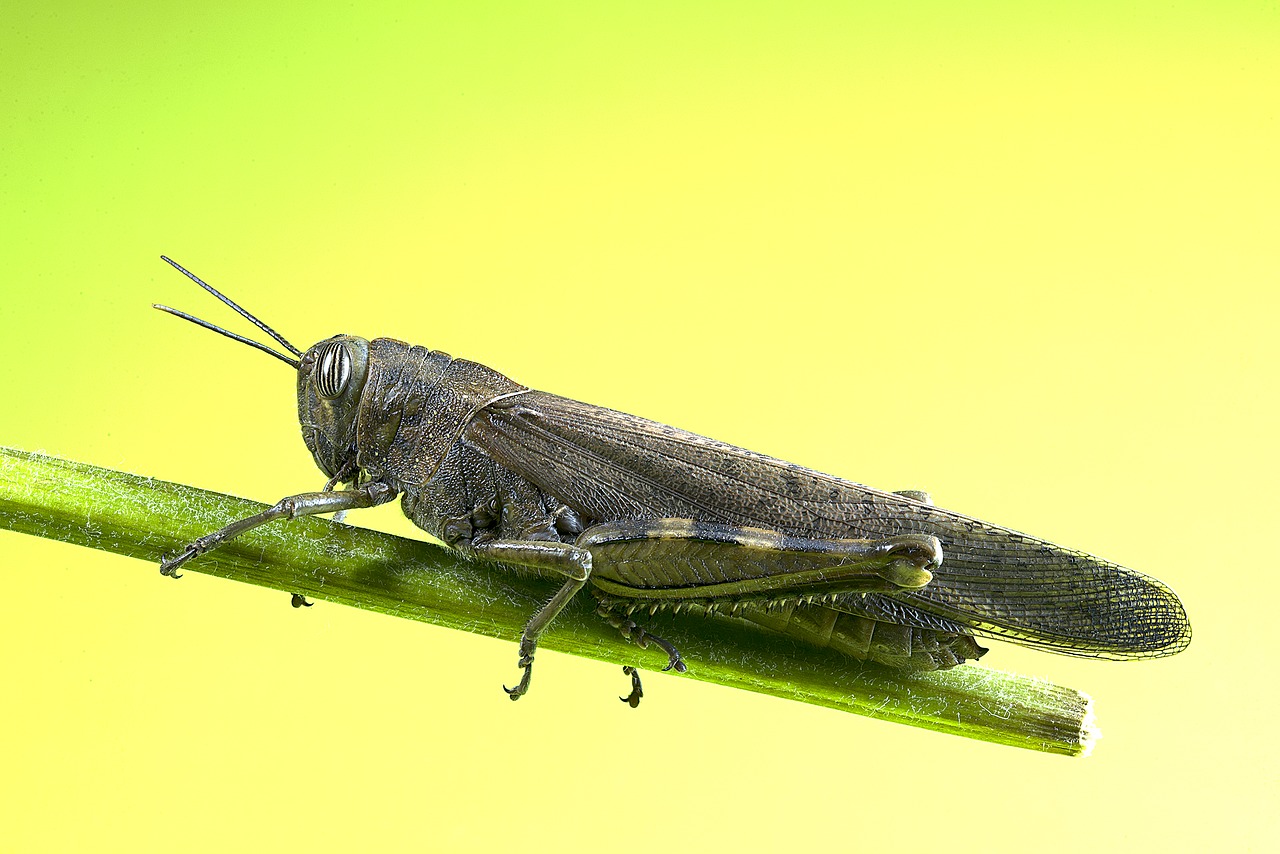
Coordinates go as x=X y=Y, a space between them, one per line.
x=633 y=632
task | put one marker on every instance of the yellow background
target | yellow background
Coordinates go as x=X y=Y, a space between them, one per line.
x=1021 y=255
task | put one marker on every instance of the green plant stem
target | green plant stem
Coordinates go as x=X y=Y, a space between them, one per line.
x=146 y=518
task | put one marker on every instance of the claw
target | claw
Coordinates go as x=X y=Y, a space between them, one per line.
x=300 y=601
x=169 y=566
x=674 y=661
x=633 y=699
x=519 y=691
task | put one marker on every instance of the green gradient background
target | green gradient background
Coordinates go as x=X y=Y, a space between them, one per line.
x=1021 y=255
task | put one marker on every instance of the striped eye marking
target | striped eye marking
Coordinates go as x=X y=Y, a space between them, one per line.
x=333 y=369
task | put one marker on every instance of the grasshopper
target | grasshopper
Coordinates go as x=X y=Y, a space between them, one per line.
x=652 y=517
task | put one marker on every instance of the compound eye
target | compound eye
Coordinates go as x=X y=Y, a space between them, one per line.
x=333 y=369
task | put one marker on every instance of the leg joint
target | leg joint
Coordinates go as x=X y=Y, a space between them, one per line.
x=581 y=560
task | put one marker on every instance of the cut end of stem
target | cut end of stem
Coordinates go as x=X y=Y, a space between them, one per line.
x=1089 y=732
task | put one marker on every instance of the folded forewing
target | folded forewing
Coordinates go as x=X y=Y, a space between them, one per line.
x=610 y=466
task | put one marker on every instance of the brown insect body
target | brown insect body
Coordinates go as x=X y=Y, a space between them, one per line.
x=479 y=458
x=653 y=517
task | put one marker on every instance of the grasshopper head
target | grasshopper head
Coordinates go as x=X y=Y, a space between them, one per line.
x=331 y=378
